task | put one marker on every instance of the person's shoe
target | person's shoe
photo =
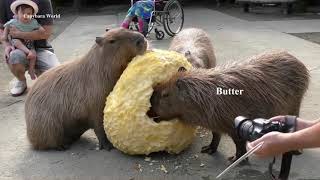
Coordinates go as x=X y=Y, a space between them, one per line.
x=19 y=88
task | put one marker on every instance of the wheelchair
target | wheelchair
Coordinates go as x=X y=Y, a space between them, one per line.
x=166 y=13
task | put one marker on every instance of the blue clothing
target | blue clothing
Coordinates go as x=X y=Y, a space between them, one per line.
x=141 y=9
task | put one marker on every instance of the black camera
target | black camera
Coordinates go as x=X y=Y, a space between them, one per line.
x=251 y=130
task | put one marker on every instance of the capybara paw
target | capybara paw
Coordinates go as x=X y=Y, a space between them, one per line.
x=63 y=147
x=232 y=159
x=208 y=150
x=106 y=145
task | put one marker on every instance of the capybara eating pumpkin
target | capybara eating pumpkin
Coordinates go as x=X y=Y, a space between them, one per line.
x=266 y=85
x=196 y=46
x=68 y=100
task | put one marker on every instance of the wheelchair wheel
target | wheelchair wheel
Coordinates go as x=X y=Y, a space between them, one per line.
x=173 y=18
x=159 y=34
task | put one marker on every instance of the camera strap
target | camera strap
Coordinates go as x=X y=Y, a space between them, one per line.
x=285 y=167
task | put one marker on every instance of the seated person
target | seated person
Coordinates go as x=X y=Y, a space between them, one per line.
x=24 y=22
x=16 y=59
x=142 y=10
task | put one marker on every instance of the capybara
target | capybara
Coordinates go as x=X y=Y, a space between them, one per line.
x=68 y=100
x=266 y=85
x=196 y=46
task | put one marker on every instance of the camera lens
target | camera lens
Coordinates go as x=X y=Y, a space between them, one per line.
x=245 y=130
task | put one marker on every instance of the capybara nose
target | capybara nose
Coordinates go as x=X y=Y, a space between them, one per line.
x=140 y=41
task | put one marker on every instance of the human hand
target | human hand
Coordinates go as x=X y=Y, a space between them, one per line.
x=31 y=56
x=300 y=124
x=7 y=51
x=14 y=32
x=274 y=143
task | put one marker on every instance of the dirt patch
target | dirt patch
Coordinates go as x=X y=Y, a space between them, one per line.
x=313 y=37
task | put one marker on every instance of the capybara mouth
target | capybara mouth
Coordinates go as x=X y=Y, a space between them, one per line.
x=141 y=44
x=153 y=115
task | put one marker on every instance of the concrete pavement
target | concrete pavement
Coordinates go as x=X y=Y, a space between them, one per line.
x=233 y=38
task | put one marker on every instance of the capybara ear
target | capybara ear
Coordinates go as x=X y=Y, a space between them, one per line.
x=99 y=41
x=182 y=69
x=187 y=53
x=180 y=84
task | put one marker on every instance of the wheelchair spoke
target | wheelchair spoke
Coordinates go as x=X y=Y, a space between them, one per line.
x=174 y=17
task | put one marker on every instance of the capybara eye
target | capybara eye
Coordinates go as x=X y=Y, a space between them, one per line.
x=165 y=94
x=112 y=41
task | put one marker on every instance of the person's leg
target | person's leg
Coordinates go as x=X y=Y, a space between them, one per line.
x=131 y=13
x=19 y=45
x=45 y=61
x=17 y=63
x=140 y=24
x=126 y=22
x=32 y=64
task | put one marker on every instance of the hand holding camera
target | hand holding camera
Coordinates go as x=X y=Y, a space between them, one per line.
x=276 y=136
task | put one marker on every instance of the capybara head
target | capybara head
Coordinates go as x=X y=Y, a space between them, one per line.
x=193 y=59
x=167 y=98
x=122 y=44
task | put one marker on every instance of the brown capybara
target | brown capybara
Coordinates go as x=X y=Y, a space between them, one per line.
x=266 y=85
x=68 y=100
x=196 y=46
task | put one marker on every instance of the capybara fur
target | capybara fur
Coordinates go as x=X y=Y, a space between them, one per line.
x=68 y=100
x=273 y=84
x=196 y=46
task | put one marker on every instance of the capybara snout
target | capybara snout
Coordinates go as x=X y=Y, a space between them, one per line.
x=163 y=100
x=140 y=42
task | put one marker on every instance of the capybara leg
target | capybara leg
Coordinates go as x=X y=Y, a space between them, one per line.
x=63 y=147
x=296 y=110
x=74 y=133
x=240 y=150
x=213 y=146
x=104 y=143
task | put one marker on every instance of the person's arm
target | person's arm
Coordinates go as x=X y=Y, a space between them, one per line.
x=276 y=143
x=41 y=33
x=306 y=138
x=7 y=46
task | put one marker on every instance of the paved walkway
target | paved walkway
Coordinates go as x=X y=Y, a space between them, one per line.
x=234 y=39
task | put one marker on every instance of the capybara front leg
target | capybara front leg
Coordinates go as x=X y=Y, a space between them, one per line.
x=240 y=150
x=213 y=146
x=104 y=143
